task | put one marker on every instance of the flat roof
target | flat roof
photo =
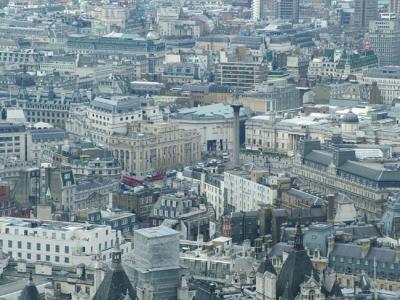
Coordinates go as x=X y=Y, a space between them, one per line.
x=46 y=224
x=156 y=232
x=207 y=112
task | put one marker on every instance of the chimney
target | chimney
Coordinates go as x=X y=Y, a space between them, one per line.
x=236 y=134
x=398 y=252
x=331 y=206
x=365 y=245
x=331 y=244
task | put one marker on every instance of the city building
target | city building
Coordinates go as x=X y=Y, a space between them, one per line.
x=239 y=69
x=13 y=141
x=156 y=270
x=275 y=95
x=122 y=221
x=213 y=122
x=337 y=64
x=170 y=207
x=259 y=10
x=384 y=36
x=364 y=257
x=269 y=134
x=127 y=46
x=248 y=192
x=288 y=10
x=241 y=226
x=57 y=243
x=139 y=200
x=212 y=186
x=364 y=12
x=104 y=117
x=368 y=183
x=148 y=147
x=387 y=78
x=84 y=159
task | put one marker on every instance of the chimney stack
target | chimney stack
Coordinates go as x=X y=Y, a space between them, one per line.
x=365 y=245
x=331 y=207
x=397 y=252
x=331 y=244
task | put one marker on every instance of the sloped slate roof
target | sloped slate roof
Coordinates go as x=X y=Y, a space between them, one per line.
x=30 y=291
x=321 y=157
x=296 y=270
x=114 y=286
x=266 y=266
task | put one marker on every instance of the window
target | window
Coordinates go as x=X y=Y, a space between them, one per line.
x=29 y=245
x=312 y=295
x=47 y=257
x=38 y=246
x=38 y=256
x=28 y=256
x=57 y=258
x=19 y=245
x=9 y=244
x=57 y=248
x=47 y=247
x=66 y=249
x=66 y=260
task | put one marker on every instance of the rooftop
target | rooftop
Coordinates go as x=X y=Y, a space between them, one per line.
x=46 y=225
x=208 y=112
x=156 y=232
x=390 y=72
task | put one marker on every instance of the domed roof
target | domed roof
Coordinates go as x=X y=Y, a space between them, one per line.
x=152 y=35
x=350 y=118
x=24 y=80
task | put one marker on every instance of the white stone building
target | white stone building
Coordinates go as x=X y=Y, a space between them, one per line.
x=214 y=189
x=213 y=122
x=388 y=81
x=57 y=243
x=245 y=193
x=104 y=117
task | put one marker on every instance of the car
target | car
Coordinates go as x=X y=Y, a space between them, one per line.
x=171 y=173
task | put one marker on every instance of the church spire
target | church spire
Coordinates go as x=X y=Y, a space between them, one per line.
x=30 y=280
x=298 y=238
x=116 y=253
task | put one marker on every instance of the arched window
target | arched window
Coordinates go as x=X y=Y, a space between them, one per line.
x=312 y=295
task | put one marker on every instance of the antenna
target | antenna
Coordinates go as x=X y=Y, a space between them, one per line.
x=375 y=283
